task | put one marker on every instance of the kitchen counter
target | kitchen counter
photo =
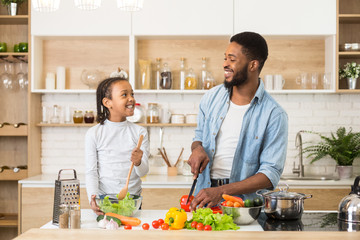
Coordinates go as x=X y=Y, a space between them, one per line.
x=180 y=181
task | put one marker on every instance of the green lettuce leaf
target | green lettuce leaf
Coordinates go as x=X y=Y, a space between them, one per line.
x=123 y=207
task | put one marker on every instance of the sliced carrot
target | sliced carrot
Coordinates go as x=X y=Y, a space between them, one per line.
x=125 y=220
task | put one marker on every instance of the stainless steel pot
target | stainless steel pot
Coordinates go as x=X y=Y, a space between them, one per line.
x=283 y=205
x=349 y=207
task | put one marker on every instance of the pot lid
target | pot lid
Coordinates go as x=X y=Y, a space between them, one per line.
x=283 y=193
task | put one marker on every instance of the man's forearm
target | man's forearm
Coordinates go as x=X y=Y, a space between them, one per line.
x=249 y=185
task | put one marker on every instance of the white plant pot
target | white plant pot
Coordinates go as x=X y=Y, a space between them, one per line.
x=345 y=172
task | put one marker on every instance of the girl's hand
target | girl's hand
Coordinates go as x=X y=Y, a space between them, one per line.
x=136 y=156
x=94 y=206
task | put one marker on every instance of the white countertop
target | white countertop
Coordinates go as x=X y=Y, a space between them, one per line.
x=88 y=221
x=180 y=181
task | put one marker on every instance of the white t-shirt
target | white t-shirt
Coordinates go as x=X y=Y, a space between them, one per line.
x=108 y=150
x=227 y=140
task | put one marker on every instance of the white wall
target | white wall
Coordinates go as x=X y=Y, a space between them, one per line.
x=64 y=147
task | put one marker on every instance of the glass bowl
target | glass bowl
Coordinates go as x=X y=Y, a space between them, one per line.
x=242 y=215
x=126 y=207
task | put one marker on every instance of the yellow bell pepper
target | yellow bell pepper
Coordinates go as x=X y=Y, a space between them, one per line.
x=176 y=218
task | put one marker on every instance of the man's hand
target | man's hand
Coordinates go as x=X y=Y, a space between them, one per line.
x=136 y=156
x=94 y=206
x=209 y=196
x=198 y=159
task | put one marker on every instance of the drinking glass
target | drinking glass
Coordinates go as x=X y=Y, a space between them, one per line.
x=326 y=80
x=314 y=80
x=302 y=80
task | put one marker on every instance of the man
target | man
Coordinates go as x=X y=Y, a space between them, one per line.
x=241 y=138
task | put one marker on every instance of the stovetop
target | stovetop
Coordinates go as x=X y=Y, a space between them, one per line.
x=310 y=221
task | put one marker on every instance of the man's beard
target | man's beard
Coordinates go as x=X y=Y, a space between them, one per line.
x=240 y=78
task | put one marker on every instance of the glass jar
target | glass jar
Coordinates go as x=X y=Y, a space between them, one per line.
x=165 y=77
x=63 y=216
x=55 y=117
x=190 y=80
x=152 y=113
x=209 y=81
x=89 y=117
x=78 y=117
x=186 y=171
x=75 y=216
x=145 y=71
x=138 y=114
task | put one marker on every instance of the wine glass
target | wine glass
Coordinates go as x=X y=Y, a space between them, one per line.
x=22 y=76
x=7 y=78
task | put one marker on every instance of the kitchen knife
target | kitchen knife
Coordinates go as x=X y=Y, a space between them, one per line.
x=191 y=190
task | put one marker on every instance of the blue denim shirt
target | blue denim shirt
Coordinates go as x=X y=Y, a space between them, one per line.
x=262 y=142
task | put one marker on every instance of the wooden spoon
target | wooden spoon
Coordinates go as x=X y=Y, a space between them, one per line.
x=124 y=190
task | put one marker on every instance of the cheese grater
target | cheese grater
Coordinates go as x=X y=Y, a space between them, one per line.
x=67 y=191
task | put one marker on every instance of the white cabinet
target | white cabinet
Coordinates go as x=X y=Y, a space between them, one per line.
x=286 y=17
x=108 y=20
x=184 y=17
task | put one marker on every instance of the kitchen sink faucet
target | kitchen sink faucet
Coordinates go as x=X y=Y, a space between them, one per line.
x=298 y=144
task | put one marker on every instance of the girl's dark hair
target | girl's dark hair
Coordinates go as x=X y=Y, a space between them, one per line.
x=254 y=46
x=104 y=89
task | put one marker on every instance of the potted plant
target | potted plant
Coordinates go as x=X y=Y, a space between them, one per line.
x=343 y=147
x=12 y=5
x=350 y=71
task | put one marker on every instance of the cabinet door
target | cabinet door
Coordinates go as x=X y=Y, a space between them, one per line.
x=184 y=17
x=71 y=21
x=286 y=17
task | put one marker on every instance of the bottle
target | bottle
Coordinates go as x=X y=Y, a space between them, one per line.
x=190 y=80
x=157 y=73
x=55 y=117
x=63 y=216
x=203 y=72
x=78 y=117
x=182 y=73
x=165 y=77
x=75 y=216
x=152 y=113
x=89 y=117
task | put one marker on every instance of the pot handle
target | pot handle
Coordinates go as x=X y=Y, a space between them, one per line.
x=260 y=192
x=306 y=196
x=356 y=188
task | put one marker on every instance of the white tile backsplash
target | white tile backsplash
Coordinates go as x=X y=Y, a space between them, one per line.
x=63 y=147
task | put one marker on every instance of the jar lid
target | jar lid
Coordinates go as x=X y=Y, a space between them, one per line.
x=152 y=104
x=88 y=111
x=78 y=111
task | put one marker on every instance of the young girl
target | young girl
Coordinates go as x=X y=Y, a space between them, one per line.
x=110 y=146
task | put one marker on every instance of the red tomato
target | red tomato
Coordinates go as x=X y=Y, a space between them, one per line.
x=128 y=227
x=193 y=224
x=145 y=226
x=164 y=226
x=200 y=227
x=207 y=228
x=155 y=224
x=161 y=221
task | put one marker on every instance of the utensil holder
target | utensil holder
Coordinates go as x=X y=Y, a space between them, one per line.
x=172 y=171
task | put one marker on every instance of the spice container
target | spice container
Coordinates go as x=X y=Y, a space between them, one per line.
x=89 y=117
x=64 y=216
x=152 y=113
x=165 y=77
x=75 y=217
x=78 y=117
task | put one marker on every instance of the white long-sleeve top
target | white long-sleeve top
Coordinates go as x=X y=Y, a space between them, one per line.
x=108 y=150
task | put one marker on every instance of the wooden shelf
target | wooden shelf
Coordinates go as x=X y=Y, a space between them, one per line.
x=8 y=220
x=348 y=91
x=14 y=20
x=11 y=131
x=10 y=175
x=349 y=18
x=14 y=56
x=93 y=124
